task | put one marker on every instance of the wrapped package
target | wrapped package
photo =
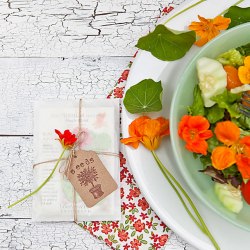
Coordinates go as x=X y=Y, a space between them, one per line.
x=100 y=124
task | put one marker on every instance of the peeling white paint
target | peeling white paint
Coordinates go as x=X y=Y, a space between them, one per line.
x=75 y=28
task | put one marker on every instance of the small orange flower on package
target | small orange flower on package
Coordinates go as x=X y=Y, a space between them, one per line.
x=147 y=131
x=207 y=29
x=67 y=139
x=235 y=149
x=244 y=71
x=194 y=130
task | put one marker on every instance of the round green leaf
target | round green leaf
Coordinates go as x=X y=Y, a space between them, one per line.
x=238 y=15
x=165 y=44
x=143 y=97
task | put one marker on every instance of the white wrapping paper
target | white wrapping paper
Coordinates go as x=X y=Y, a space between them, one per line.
x=100 y=121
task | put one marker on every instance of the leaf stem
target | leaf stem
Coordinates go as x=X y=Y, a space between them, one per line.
x=170 y=177
x=223 y=12
x=47 y=179
x=181 y=199
x=182 y=11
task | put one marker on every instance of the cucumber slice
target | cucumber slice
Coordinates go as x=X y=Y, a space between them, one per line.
x=230 y=196
x=212 y=79
x=243 y=88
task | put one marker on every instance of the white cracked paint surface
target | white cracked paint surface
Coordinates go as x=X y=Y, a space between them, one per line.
x=25 y=80
x=75 y=27
x=58 y=49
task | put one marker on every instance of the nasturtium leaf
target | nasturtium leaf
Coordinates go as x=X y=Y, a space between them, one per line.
x=166 y=45
x=238 y=15
x=145 y=96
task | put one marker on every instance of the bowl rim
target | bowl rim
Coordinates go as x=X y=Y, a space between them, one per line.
x=174 y=127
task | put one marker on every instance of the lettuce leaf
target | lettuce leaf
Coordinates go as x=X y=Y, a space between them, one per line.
x=228 y=100
x=215 y=113
x=206 y=160
x=212 y=143
x=197 y=107
x=244 y=50
x=243 y=122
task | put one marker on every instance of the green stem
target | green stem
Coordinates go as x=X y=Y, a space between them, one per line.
x=170 y=176
x=182 y=11
x=181 y=199
x=48 y=178
x=223 y=12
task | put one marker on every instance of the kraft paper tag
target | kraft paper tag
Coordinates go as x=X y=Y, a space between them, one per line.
x=90 y=178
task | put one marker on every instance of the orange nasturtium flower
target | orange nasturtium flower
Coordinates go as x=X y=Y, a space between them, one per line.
x=244 y=71
x=207 y=29
x=147 y=131
x=235 y=149
x=194 y=130
x=150 y=132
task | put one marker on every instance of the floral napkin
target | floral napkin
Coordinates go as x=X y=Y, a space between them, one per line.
x=140 y=227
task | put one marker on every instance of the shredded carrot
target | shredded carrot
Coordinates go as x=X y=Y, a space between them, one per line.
x=233 y=80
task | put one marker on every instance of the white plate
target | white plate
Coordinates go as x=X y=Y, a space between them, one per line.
x=156 y=189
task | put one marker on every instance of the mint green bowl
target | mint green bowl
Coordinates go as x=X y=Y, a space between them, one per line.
x=201 y=184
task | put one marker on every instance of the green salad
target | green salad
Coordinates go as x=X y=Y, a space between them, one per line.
x=216 y=128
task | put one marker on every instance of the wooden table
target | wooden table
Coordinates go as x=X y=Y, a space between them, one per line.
x=57 y=49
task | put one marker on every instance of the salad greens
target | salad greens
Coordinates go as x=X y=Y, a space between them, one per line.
x=243 y=122
x=197 y=107
x=215 y=113
x=232 y=57
x=228 y=101
x=227 y=106
x=244 y=50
